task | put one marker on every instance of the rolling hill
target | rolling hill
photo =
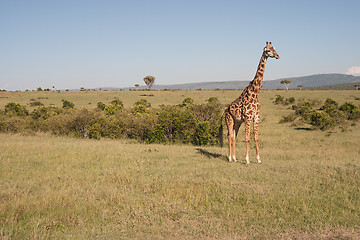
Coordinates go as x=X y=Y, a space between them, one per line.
x=318 y=81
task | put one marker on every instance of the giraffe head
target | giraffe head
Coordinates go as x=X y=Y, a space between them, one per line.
x=269 y=51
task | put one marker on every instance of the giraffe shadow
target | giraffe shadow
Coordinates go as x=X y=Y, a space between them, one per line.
x=304 y=129
x=210 y=154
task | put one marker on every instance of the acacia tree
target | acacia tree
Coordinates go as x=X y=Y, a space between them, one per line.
x=286 y=82
x=149 y=80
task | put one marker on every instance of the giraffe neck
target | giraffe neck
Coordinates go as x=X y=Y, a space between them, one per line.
x=256 y=83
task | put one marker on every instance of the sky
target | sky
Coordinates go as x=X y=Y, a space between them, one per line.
x=71 y=44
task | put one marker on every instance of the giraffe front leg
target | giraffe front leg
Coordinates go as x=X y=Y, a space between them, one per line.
x=256 y=137
x=230 y=143
x=233 y=147
x=247 y=139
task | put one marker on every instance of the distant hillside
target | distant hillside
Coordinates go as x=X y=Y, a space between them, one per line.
x=319 y=81
x=343 y=86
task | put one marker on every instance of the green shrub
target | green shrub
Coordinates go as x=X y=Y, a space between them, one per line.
x=109 y=127
x=34 y=103
x=190 y=123
x=174 y=124
x=350 y=110
x=142 y=102
x=82 y=120
x=140 y=126
x=16 y=109
x=45 y=112
x=14 y=123
x=279 y=99
x=331 y=107
x=291 y=100
x=187 y=102
x=320 y=120
x=140 y=109
x=330 y=104
x=101 y=106
x=202 y=134
x=67 y=104
x=117 y=102
x=112 y=109
x=327 y=116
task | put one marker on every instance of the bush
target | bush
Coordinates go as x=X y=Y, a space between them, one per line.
x=279 y=99
x=187 y=102
x=34 y=103
x=45 y=112
x=109 y=127
x=329 y=104
x=67 y=104
x=291 y=99
x=174 y=124
x=303 y=109
x=350 y=110
x=143 y=102
x=14 y=123
x=16 y=109
x=140 y=126
x=188 y=123
x=331 y=108
x=112 y=109
x=117 y=102
x=141 y=107
x=202 y=134
x=82 y=120
x=101 y=106
x=320 y=120
x=327 y=116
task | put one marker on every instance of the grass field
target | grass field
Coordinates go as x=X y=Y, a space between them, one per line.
x=60 y=187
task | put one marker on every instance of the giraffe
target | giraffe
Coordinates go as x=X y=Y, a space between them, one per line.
x=246 y=108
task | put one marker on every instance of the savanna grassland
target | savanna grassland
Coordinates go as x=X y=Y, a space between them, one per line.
x=56 y=187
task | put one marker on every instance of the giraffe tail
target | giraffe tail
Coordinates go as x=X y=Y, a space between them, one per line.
x=221 y=133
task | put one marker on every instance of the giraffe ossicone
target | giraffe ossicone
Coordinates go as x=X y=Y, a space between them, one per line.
x=246 y=108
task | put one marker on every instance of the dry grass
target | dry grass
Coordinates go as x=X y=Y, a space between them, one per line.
x=306 y=188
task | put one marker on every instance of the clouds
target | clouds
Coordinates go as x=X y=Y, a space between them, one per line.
x=354 y=70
